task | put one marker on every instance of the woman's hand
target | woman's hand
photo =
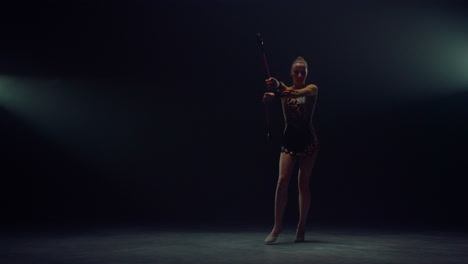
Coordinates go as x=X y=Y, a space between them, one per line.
x=267 y=97
x=272 y=83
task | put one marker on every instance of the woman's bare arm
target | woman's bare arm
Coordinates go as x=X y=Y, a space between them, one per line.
x=309 y=90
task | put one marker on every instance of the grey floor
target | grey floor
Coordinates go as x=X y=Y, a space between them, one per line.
x=224 y=245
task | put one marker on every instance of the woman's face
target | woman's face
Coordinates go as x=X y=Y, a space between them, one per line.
x=299 y=72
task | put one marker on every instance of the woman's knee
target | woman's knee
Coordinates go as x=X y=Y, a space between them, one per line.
x=284 y=180
x=304 y=186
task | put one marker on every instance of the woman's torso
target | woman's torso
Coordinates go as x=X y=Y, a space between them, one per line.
x=298 y=113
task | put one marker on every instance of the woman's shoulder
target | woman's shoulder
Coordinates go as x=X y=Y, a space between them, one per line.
x=312 y=90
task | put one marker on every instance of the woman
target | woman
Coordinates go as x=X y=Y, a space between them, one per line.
x=300 y=144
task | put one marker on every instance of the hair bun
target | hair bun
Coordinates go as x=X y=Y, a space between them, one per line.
x=300 y=59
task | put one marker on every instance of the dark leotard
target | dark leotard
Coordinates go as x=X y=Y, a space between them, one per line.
x=299 y=138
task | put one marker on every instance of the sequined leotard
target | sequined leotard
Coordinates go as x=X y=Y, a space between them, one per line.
x=299 y=138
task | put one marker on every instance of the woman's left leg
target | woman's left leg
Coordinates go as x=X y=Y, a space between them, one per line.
x=305 y=170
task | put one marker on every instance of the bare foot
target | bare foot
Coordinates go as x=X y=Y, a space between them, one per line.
x=300 y=234
x=271 y=238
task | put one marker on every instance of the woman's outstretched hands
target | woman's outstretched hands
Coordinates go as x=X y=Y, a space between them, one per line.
x=272 y=83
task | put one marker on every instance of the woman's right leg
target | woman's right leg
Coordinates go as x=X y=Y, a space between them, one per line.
x=286 y=166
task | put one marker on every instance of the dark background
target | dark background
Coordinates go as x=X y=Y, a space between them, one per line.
x=150 y=112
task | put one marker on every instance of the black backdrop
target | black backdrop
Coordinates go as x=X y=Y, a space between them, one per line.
x=150 y=112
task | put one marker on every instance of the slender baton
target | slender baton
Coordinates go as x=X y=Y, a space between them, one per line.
x=260 y=42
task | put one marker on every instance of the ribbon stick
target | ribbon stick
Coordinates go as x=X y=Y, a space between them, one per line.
x=260 y=42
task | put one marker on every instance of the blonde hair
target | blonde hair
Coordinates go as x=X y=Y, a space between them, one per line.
x=301 y=60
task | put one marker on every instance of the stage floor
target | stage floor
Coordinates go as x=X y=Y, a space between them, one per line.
x=232 y=245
